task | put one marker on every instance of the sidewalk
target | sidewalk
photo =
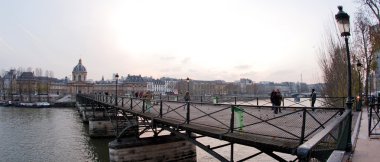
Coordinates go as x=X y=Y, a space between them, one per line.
x=367 y=149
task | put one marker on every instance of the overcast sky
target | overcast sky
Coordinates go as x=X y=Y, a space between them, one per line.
x=275 y=40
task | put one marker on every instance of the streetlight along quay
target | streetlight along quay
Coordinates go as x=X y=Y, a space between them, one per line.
x=343 y=21
x=117 y=78
x=359 y=67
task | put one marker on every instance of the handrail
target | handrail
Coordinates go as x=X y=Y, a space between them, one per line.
x=304 y=150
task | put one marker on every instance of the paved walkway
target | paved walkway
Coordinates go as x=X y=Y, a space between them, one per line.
x=367 y=149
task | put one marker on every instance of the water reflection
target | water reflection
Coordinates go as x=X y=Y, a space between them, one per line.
x=54 y=134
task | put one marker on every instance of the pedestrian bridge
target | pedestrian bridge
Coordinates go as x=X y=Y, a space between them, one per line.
x=309 y=133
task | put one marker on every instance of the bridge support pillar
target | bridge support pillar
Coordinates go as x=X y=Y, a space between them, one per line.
x=84 y=112
x=160 y=148
x=101 y=127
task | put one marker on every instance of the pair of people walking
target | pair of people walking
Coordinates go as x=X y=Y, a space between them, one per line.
x=276 y=99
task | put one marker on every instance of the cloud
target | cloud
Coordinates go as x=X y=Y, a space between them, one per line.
x=282 y=75
x=6 y=45
x=186 y=60
x=250 y=74
x=167 y=58
x=171 y=69
x=242 y=67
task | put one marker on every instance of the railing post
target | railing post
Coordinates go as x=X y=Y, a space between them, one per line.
x=232 y=122
x=188 y=113
x=201 y=99
x=303 y=125
x=257 y=101
x=160 y=108
x=235 y=100
x=117 y=123
x=116 y=100
x=122 y=101
x=143 y=107
x=232 y=152
x=370 y=119
x=131 y=103
x=93 y=109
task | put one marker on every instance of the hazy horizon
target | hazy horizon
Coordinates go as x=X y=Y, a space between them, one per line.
x=205 y=40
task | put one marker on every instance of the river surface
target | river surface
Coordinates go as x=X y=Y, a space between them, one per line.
x=58 y=134
x=48 y=134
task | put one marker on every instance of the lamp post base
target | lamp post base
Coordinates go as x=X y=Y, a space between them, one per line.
x=349 y=126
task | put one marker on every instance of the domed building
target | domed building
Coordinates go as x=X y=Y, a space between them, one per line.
x=79 y=83
x=79 y=72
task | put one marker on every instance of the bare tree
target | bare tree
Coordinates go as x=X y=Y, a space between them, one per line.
x=363 y=45
x=38 y=72
x=373 y=6
x=333 y=65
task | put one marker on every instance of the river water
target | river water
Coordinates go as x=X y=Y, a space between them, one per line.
x=49 y=134
x=58 y=134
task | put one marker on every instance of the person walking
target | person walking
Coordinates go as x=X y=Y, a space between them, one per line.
x=313 y=97
x=147 y=96
x=277 y=101
x=272 y=98
x=186 y=98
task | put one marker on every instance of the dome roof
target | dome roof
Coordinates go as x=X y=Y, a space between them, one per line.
x=79 y=68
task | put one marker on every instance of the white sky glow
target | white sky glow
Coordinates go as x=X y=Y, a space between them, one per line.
x=201 y=39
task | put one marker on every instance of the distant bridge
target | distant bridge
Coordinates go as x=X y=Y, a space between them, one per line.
x=299 y=130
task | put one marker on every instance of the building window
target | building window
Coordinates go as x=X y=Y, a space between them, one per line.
x=79 y=78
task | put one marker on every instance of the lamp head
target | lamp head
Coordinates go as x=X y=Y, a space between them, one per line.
x=343 y=21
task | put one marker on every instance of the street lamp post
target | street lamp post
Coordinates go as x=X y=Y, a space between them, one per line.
x=359 y=66
x=343 y=21
x=188 y=84
x=117 y=78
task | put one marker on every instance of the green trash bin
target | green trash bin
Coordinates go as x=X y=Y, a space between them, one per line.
x=215 y=100
x=239 y=118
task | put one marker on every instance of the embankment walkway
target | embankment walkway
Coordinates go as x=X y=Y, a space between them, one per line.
x=367 y=149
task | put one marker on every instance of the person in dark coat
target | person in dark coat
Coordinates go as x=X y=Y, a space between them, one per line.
x=186 y=98
x=277 y=101
x=272 y=98
x=313 y=97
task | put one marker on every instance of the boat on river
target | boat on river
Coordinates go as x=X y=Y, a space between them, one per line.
x=34 y=104
x=6 y=103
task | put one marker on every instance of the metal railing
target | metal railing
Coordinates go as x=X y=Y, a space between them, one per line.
x=374 y=119
x=259 y=101
x=295 y=124
x=321 y=145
